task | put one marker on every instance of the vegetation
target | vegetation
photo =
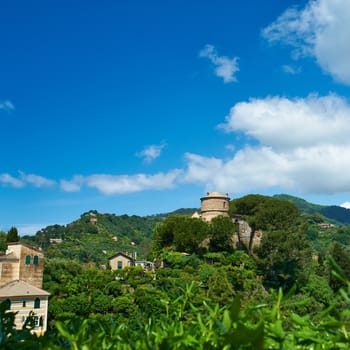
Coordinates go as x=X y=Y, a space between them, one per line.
x=184 y=323
x=290 y=292
x=331 y=213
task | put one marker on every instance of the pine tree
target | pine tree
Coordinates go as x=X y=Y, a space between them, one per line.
x=12 y=235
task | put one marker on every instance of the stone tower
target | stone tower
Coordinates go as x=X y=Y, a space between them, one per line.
x=214 y=204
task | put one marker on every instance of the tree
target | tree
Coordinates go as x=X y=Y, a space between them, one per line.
x=222 y=230
x=12 y=235
x=341 y=257
x=3 y=241
x=184 y=233
x=282 y=258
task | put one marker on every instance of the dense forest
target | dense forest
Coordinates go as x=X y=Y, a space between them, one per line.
x=208 y=291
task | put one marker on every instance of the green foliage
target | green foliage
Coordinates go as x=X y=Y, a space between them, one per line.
x=266 y=213
x=12 y=235
x=189 y=325
x=184 y=233
x=333 y=213
x=222 y=230
x=283 y=257
x=3 y=242
x=342 y=259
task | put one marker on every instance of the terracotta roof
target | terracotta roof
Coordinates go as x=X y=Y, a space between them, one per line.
x=20 y=288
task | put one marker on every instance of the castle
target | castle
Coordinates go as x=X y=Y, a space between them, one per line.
x=215 y=204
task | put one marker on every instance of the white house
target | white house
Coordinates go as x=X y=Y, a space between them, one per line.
x=24 y=298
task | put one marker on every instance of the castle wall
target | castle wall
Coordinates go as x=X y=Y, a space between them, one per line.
x=214 y=204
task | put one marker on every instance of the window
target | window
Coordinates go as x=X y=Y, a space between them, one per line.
x=24 y=303
x=120 y=265
x=37 y=303
x=36 y=260
x=28 y=260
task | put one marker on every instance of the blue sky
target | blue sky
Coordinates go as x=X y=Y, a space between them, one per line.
x=141 y=107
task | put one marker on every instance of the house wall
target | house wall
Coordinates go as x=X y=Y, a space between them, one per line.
x=31 y=273
x=13 y=265
x=114 y=262
x=9 y=271
x=24 y=311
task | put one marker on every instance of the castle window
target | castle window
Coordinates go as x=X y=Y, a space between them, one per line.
x=120 y=265
x=28 y=260
x=224 y=204
x=24 y=303
x=37 y=303
x=36 y=260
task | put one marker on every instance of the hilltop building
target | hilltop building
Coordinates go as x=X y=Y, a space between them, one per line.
x=215 y=204
x=21 y=278
x=212 y=205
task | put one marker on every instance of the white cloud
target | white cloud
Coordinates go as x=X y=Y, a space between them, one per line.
x=36 y=180
x=122 y=184
x=7 y=106
x=8 y=180
x=322 y=30
x=73 y=185
x=152 y=152
x=24 y=180
x=225 y=67
x=292 y=70
x=303 y=145
x=345 y=205
x=284 y=123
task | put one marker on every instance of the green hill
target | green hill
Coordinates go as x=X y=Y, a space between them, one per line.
x=333 y=213
x=96 y=236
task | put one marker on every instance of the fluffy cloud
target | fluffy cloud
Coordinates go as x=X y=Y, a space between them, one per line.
x=345 y=205
x=25 y=179
x=122 y=184
x=322 y=30
x=303 y=145
x=225 y=67
x=152 y=152
x=284 y=123
x=7 y=106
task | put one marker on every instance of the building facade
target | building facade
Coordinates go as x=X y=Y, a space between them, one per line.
x=25 y=300
x=21 y=279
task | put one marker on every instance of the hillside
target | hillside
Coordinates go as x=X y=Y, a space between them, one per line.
x=333 y=213
x=96 y=236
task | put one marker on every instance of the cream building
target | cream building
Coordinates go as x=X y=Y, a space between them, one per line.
x=24 y=299
x=121 y=260
x=21 y=279
x=213 y=204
